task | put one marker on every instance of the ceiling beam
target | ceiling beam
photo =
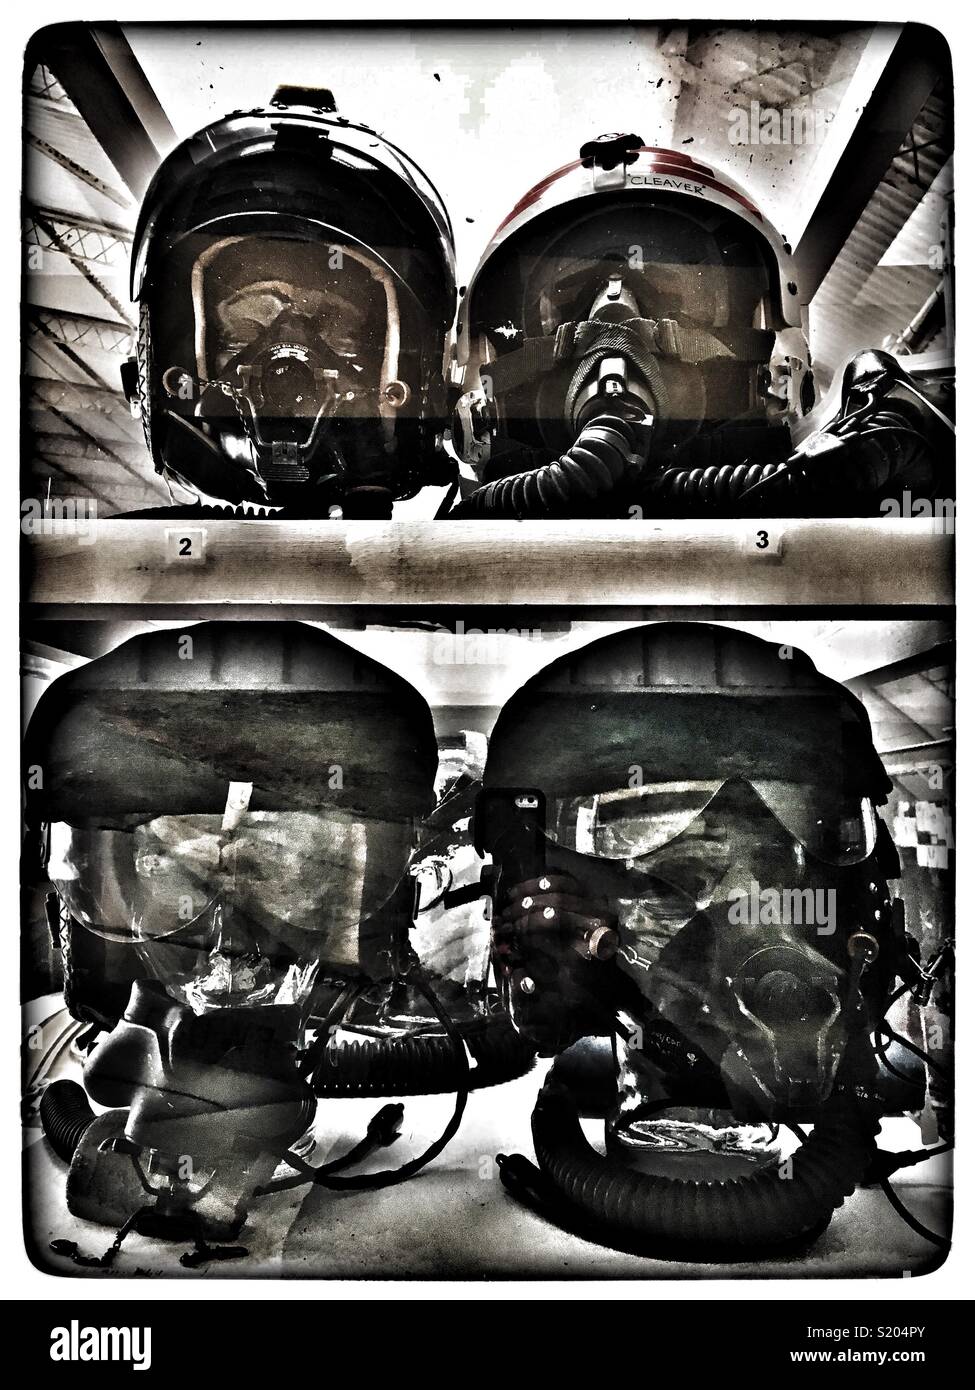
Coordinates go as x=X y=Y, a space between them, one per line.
x=106 y=83
x=919 y=59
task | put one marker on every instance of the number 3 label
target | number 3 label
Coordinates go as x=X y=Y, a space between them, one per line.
x=765 y=544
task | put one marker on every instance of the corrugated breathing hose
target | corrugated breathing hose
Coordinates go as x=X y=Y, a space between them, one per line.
x=759 y=1210
x=422 y=1065
x=606 y=452
x=865 y=457
x=65 y=1116
x=712 y=489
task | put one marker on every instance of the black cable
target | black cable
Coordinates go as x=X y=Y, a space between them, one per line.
x=893 y=998
x=889 y=429
x=888 y=1066
x=910 y=1219
x=918 y=1051
x=448 y=500
x=379 y=1134
x=879 y=1050
x=313 y=1054
x=389 y=1176
x=906 y=1159
x=887 y=1162
x=920 y=1155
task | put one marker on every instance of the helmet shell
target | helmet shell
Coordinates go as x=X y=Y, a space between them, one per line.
x=307 y=174
x=372 y=178
x=688 y=700
x=164 y=722
x=645 y=172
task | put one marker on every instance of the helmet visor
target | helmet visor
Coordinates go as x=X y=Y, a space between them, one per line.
x=299 y=876
x=255 y=292
x=647 y=261
x=249 y=283
x=631 y=823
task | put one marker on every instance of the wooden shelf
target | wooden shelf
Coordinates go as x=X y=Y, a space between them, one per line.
x=856 y=562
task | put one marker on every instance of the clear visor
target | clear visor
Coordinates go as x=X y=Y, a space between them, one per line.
x=633 y=822
x=286 y=873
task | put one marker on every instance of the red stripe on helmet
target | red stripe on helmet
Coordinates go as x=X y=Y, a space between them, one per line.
x=535 y=193
x=672 y=162
x=678 y=157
